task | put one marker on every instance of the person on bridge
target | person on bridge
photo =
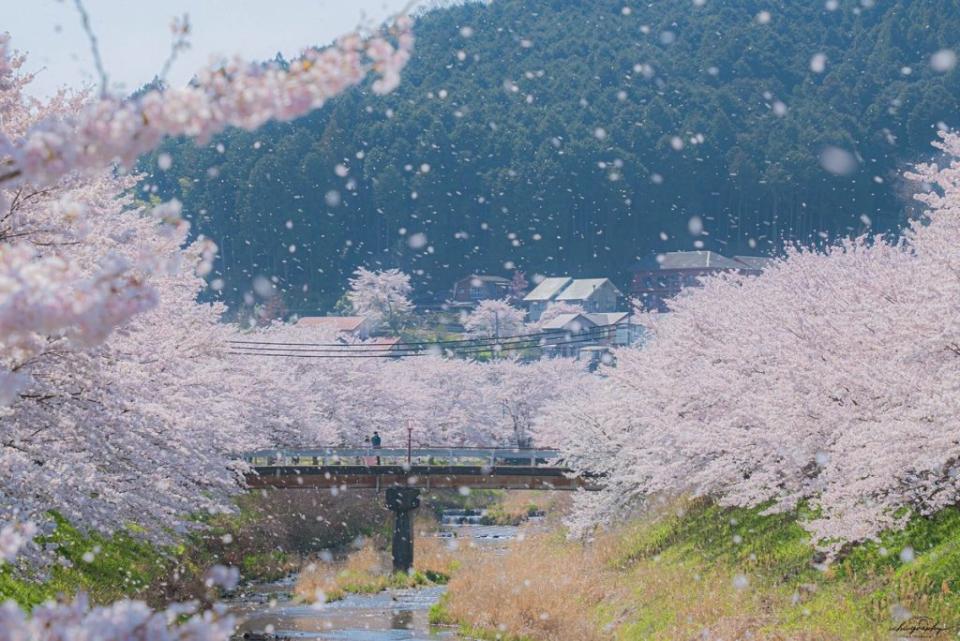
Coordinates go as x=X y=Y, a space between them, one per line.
x=375 y=442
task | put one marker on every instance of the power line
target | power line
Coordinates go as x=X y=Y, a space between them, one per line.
x=344 y=348
x=399 y=354
x=428 y=343
x=396 y=354
x=304 y=348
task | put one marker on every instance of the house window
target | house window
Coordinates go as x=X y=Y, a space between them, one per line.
x=476 y=293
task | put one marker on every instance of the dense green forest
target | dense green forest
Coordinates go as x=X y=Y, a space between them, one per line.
x=559 y=136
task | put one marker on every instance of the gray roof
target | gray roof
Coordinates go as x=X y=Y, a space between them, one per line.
x=697 y=260
x=547 y=289
x=607 y=318
x=582 y=288
x=561 y=322
x=486 y=278
x=755 y=262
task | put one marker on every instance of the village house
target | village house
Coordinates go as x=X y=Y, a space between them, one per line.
x=620 y=328
x=592 y=294
x=543 y=294
x=570 y=334
x=754 y=264
x=566 y=334
x=469 y=291
x=656 y=280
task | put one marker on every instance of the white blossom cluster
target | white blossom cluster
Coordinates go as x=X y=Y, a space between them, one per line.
x=495 y=318
x=381 y=297
x=13 y=538
x=120 y=621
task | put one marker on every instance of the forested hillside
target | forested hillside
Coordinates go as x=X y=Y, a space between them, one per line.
x=560 y=136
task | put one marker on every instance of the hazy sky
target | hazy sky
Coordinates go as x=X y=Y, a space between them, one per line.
x=135 y=36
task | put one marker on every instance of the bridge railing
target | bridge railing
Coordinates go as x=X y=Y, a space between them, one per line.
x=327 y=456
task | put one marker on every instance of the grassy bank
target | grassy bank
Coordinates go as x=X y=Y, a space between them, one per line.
x=127 y=565
x=266 y=538
x=105 y=567
x=698 y=569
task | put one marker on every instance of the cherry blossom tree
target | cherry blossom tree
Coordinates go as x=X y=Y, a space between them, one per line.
x=47 y=147
x=448 y=401
x=109 y=367
x=241 y=94
x=519 y=286
x=99 y=429
x=830 y=379
x=382 y=297
x=494 y=318
x=521 y=392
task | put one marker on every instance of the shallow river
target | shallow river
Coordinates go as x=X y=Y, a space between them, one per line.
x=397 y=615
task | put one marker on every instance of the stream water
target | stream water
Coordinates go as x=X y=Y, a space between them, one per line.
x=270 y=613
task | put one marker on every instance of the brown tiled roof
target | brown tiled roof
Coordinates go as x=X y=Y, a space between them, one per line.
x=339 y=323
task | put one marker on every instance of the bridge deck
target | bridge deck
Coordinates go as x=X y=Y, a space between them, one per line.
x=378 y=477
x=421 y=467
x=433 y=454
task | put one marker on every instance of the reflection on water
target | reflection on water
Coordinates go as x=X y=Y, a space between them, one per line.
x=397 y=615
x=462 y=517
x=401 y=620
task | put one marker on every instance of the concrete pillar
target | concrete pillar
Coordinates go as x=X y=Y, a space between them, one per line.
x=401 y=501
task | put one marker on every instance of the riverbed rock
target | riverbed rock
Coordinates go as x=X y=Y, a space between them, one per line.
x=263 y=636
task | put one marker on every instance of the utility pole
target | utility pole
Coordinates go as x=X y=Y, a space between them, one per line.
x=409 y=442
x=496 y=332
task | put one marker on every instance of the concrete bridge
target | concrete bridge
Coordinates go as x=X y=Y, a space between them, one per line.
x=403 y=472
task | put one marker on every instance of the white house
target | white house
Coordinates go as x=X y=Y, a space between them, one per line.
x=544 y=294
x=568 y=333
x=618 y=329
x=570 y=323
x=593 y=294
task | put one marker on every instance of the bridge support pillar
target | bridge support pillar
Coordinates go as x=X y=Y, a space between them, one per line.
x=402 y=501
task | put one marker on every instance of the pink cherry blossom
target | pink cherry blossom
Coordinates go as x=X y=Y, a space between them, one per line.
x=495 y=318
x=235 y=94
x=382 y=297
x=13 y=538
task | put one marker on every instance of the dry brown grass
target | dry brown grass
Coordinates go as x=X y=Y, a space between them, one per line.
x=548 y=589
x=433 y=555
x=365 y=570
x=536 y=590
x=369 y=570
